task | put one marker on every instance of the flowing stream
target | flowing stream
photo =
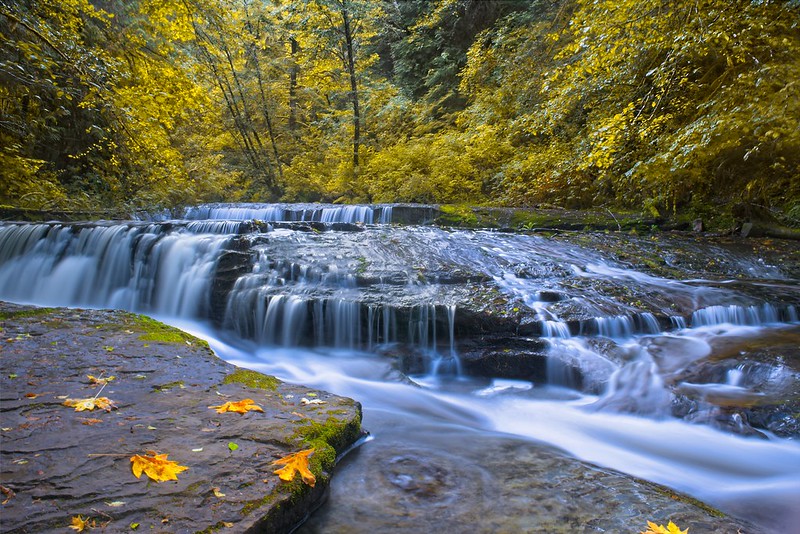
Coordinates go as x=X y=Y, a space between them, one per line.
x=404 y=319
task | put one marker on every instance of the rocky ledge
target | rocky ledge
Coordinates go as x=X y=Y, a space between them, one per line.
x=59 y=463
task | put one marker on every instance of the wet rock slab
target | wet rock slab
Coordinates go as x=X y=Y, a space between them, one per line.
x=58 y=463
x=499 y=485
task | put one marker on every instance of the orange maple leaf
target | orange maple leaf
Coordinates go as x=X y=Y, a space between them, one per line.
x=296 y=463
x=104 y=403
x=671 y=528
x=157 y=467
x=242 y=406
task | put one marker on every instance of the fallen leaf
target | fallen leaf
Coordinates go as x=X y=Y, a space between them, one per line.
x=89 y=421
x=116 y=504
x=305 y=402
x=8 y=492
x=218 y=493
x=80 y=524
x=157 y=467
x=671 y=528
x=232 y=446
x=134 y=526
x=296 y=463
x=242 y=406
x=104 y=403
x=199 y=449
x=31 y=395
x=100 y=381
x=301 y=416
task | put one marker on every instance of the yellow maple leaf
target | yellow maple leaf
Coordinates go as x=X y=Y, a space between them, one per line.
x=671 y=528
x=157 y=467
x=80 y=524
x=296 y=463
x=103 y=403
x=100 y=381
x=242 y=406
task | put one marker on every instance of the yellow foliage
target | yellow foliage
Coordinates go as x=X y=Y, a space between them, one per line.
x=91 y=403
x=671 y=528
x=80 y=524
x=296 y=463
x=156 y=467
x=242 y=406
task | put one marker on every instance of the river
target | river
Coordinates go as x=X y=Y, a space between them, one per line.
x=396 y=316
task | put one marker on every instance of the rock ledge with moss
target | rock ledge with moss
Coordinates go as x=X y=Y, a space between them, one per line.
x=59 y=463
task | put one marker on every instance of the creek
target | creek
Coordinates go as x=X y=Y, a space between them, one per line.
x=465 y=345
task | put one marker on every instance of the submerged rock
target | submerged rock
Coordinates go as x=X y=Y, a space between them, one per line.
x=58 y=463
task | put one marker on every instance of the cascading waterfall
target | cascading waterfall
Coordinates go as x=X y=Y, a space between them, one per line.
x=291 y=213
x=138 y=268
x=380 y=293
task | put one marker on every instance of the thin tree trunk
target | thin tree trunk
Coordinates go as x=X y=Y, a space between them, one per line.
x=293 y=71
x=351 y=68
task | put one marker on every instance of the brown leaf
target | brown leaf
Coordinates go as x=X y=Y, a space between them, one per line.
x=8 y=492
x=89 y=421
x=157 y=467
x=296 y=463
x=242 y=406
x=100 y=381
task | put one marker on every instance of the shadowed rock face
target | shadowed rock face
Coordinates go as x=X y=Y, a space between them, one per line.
x=60 y=463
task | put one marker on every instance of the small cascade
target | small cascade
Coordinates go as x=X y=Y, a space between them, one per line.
x=554 y=329
x=678 y=322
x=619 y=327
x=291 y=213
x=743 y=315
x=133 y=267
x=216 y=227
x=636 y=388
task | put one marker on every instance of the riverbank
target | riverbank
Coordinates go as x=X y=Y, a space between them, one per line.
x=59 y=464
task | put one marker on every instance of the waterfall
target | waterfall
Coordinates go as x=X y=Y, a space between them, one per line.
x=138 y=268
x=742 y=315
x=291 y=213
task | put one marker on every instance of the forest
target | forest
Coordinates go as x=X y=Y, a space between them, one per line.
x=665 y=107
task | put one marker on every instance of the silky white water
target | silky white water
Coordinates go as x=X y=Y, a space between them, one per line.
x=332 y=310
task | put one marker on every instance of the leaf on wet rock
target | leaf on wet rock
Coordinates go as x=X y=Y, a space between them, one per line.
x=102 y=403
x=671 y=528
x=100 y=381
x=305 y=402
x=157 y=467
x=242 y=406
x=296 y=463
x=80 y=524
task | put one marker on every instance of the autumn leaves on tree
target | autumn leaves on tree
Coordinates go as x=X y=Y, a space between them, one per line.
x=666 y=106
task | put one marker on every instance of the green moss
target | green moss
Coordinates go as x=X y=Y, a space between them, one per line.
x=25 y=313
x=457 y=215
x=680 y=497
x=161 y=388
x=157 y=331
x=326 y=439
x=252 y=379
x=266 y=500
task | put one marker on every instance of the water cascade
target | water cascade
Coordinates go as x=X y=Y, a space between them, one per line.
x=441 y=330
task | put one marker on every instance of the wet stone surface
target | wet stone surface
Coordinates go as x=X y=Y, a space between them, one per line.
x=503 y=485
x=58 y=463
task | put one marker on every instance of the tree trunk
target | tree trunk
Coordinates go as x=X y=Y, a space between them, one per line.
x=293 y=70
x=351 y=68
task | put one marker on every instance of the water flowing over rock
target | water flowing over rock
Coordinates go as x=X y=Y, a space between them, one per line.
x=618 y=323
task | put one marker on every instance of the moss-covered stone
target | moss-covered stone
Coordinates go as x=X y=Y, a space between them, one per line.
x=28 y=312
x=252 y=379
